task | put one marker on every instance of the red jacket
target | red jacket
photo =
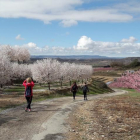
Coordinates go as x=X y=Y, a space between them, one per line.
x=29 y=84
x=72 y=87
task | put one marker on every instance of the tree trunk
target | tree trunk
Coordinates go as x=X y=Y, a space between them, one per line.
x=11 y=82
x=49 y=86
x=23 y=61
x=18 y=62
x=61 y=84
x=70 y=83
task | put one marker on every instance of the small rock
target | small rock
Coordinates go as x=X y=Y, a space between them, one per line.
x=103 y=136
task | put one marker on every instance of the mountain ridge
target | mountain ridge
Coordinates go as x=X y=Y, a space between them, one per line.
x=74 y=57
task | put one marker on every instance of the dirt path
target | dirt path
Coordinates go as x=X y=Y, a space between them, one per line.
x=47 y=121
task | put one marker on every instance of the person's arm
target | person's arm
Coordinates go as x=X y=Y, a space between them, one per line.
x=24 y=83
x=30 y=84
x=71 y=88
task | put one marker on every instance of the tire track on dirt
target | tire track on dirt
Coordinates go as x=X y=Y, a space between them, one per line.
x=47 y=121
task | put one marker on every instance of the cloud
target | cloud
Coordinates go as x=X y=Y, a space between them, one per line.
x=84 y=43
x=87 y=46
x=130 y=40
x=68 y=12
x=129 y=6
x=68 y=23
x=18 y=37
x=124 y=48
x=31 y=45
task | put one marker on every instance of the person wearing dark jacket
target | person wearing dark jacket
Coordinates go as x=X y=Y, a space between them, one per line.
x=85 y=90
x=74 y=89
x=28 y=84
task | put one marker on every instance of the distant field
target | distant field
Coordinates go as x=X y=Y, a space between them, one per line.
x=109 y=118
x=15 y=95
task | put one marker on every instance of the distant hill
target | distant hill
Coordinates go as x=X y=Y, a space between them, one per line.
x=72 y=57
x=94 y=60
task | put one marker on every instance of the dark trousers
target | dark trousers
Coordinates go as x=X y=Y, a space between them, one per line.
x=74 y=94
x=85 y=95
x=29 y=101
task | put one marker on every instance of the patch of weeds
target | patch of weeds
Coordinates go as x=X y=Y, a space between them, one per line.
x=132 y=93
x=86 y=122
x=80 y=129
x=13 y=90
x=10 y=106
x=84 y=138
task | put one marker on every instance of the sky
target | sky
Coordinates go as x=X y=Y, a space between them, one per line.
x=72 y=27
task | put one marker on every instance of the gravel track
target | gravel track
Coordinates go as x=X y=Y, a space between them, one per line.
x=46 y=121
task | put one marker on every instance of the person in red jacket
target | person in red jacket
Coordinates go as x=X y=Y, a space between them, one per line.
x=74 y=89
x=28 y=84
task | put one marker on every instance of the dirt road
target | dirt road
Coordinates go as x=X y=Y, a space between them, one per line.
x=47 y=121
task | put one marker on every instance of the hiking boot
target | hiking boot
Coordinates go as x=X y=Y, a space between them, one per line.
x=29 y=110
x=26 y=109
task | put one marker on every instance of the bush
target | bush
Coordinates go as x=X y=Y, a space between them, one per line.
x=133 y=64
x=102 y=85
x=117 y=64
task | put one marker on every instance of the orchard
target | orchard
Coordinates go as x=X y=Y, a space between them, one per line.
x=14 y=66
x=129 y=80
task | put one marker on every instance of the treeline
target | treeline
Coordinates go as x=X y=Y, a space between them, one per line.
x=135 y=63
x=13 y=68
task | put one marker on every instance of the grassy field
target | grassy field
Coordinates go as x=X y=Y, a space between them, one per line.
x=14 y=95
x=110 y=118
x=107 y=76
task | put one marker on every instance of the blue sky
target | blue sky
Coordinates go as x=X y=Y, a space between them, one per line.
x=67 y=27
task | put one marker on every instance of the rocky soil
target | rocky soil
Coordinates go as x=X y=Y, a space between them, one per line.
x=109 y=118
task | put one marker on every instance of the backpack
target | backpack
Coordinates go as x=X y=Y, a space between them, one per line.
x=74 y=88
x=28 y=91
x=85 y=88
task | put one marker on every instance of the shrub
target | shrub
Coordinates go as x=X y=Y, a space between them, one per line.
x=102 y=85
x=117 y=64
x=134 y=63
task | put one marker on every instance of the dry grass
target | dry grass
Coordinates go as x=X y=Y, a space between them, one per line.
x=7 y=101
x=13 y=99
x=104 y=78
x=114 y=118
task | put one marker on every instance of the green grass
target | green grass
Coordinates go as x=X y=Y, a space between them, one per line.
x=13 y=90
x=104 y=73
x=96 y=87
x=93 y=88
x=42 y=98
x=22 y=88
x=132 y=92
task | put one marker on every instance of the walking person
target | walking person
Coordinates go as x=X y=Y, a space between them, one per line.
x=28 y=84
x=85 y=90
x=74 y=89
